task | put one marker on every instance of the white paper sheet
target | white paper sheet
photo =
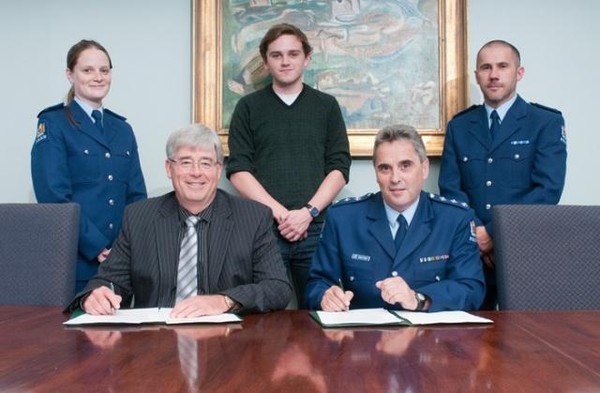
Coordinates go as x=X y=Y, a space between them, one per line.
x=430 y=318
x=147 y=315
x=380 y=316
x=364 y=316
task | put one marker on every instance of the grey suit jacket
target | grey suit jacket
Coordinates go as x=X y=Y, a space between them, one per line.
x=244 y=261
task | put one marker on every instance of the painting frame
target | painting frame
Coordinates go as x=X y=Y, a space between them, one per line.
x=207 y=74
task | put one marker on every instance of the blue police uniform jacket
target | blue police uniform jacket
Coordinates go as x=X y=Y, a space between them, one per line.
x=524 y=164
x=72 y=161
x=439 y=256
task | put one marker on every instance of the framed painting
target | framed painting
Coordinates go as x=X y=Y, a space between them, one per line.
x=385 y=61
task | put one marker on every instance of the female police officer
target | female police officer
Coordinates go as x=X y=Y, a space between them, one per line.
x=86 y=154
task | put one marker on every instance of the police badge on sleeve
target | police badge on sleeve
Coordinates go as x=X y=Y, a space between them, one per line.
x=473 y=236
x=41 y=135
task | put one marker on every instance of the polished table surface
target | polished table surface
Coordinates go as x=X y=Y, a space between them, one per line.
x=286 y=351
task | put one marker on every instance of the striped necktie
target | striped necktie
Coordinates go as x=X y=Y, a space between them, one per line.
x=187 y=271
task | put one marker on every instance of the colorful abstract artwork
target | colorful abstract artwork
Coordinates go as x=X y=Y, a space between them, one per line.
x=379 y=58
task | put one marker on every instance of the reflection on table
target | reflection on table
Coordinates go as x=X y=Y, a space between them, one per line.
x=288 y=351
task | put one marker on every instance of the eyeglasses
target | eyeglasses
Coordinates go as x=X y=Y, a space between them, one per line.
x=187 y=164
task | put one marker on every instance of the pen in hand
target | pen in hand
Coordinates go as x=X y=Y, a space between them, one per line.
x=341 y=285
x=112 y=288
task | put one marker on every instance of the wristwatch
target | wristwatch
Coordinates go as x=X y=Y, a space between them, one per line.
x=230 y=303
x=421 y=300
x=314 y=212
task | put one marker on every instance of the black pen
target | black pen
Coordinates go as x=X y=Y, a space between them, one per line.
x=343 y=290
x=112 y=288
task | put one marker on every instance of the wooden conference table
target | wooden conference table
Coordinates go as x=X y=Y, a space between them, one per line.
x=286 y=351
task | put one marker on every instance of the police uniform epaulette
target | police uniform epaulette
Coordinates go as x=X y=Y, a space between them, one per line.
x=546 y=108
x=115 y=114
x=453 y=202
x=469 y=109
x=52 y=108
x=348 y=200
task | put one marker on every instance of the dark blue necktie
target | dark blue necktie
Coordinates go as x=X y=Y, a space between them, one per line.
x=97 y=115
x=495 y=125
x=401 y=232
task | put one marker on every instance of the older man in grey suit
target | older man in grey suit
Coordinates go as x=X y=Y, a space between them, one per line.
x=236 y=263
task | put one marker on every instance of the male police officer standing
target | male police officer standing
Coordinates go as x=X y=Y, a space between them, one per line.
x=503 y=152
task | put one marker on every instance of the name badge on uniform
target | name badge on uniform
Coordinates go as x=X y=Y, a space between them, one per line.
x=359 y=257
x=523 y=142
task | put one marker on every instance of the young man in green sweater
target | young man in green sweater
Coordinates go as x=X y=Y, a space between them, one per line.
x=289 y=150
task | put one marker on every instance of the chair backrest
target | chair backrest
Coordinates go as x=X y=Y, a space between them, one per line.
x=38 y=253
x=547 y=257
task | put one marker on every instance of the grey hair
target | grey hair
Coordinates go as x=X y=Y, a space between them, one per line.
x=401 y=131
x=194 y=135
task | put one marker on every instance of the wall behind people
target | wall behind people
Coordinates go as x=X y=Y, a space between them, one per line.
x=557 y=45
x=150 y=45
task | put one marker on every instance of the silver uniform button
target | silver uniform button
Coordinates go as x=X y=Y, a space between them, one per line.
x=517 y=156
x=488 y=183
x=107 y=155
x=465 y=159
x=86 y=151
x=490 y=160
x=437 y=278
x=111 y=202
x=394 y=274
x=488 y=206
x=111 y=225
x=110 y=177
x=351 y=278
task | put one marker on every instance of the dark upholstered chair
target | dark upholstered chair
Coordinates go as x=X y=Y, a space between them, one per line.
x=547 y=257
x=38 y=253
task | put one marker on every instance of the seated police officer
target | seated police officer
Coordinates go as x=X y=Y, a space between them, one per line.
x=400 y=248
